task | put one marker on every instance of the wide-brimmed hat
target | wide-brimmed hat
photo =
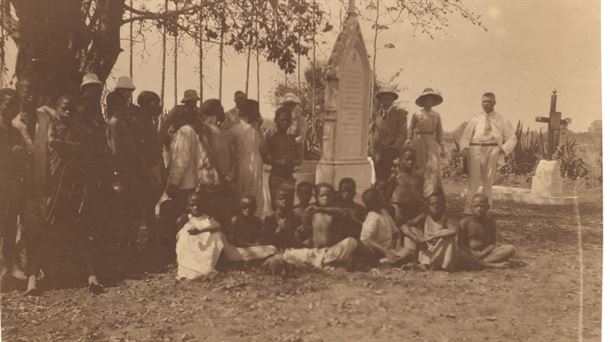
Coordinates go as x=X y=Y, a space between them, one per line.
x=125 y=82
x=90 y=78
x=387 y=90
x=289 y=98
x=436 y=96
x=190 y=95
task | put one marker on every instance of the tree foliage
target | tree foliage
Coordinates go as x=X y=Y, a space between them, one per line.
x=59 y=40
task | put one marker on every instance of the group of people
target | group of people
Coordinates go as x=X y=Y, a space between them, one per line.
x=78 y=172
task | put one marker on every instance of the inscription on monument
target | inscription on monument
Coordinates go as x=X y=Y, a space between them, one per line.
x=351 y=107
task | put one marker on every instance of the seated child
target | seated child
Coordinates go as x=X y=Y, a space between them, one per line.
x=246 y=229
x=379 y=233
x=304 y=194
x=407 y=189
x=347 y=191
x=247 y=235
x=385 y=190
x=283 y=154
x=477 y=237
x=199 y=242
x=280 y=228
x=324 y=232
x=434 y=234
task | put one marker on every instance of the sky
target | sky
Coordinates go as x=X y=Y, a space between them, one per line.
x=530 y=48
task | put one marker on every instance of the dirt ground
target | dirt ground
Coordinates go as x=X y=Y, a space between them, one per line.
x=538 y=301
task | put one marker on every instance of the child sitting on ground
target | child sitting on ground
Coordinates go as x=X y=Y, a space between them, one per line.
x=246 y=229
x=280 y=228
x=282 y=154
x=477 y=237
x=324 y=232
x=406 y=189
x=199 y=242
x=434 y=234
x=380 y=236
x=304 y=194
x=384 y=188
x=347 y=191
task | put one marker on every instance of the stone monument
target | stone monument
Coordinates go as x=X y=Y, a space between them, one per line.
x=346 y=111
x=547 y=181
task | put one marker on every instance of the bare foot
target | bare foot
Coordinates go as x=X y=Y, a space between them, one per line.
x=504 y=264
x=94 y=286
x=32 y=289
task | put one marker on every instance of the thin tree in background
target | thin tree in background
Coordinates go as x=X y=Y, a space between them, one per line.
x=2 y=42
x=258 y=77
x=176 y=68
x=200 y=43
x=248 y=70
x=131 y=42
x=221 y=61
x=163 y=58
x=376 y=27
x=176 y=62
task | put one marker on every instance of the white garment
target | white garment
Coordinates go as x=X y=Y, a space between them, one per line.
x=198 y=254
x=502 y=132
x=379 y=228
x=186 y=159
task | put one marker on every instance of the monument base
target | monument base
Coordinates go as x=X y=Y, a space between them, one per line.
x=547 y=181
x=523 y=195
x=306 y=172
x=333 y=171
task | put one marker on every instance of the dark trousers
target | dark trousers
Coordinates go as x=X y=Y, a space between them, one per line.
x=383 y=168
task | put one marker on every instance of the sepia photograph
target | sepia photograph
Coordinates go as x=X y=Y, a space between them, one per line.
x=301 y=170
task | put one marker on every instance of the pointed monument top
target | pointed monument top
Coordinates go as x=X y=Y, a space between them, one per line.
x=351 y=9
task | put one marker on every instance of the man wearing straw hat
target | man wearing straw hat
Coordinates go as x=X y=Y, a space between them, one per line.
x=487 y=139
x=298 y=128
x=389 y=132
x=91 y=95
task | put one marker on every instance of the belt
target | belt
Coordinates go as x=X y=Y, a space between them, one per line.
x=425 y=132
x=483 y=144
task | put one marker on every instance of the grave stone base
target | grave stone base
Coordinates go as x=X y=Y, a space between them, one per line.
x=523 y=195
x=547 y=181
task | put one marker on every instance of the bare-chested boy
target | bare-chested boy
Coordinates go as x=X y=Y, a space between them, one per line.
x=324 y=232
x=280 y=227
x=407 y=189
x=282 y=154
x=246 y=229
x=304 y=194
x=345 y=199
x=477 y=238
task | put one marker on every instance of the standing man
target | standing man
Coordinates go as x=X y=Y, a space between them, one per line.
x=234 y=114
x=486 y=140
x=125 y=86
x=389 y=132
x=298 y=127
x=33 y=125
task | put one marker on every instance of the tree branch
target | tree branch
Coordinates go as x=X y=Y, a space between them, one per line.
x=148 y=15
x=10 y=24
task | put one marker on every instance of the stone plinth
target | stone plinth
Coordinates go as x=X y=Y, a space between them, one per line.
x=547 y=181
x=347 y=111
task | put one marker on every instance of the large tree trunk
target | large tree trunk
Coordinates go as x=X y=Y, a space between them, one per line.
x=59 y=41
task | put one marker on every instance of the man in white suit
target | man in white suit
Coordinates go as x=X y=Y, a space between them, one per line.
x=487 y=139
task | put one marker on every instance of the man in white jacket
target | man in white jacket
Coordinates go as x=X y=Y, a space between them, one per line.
x=487 y=139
